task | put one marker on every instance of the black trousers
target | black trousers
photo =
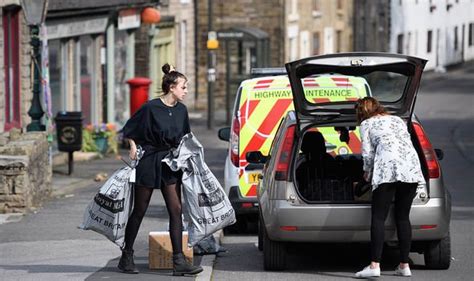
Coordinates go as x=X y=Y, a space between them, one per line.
x=381 y=201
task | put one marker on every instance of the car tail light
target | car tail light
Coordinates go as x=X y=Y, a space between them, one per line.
x=428 y=151
x=247 y=205
x=234 y=142
x=289 y=228
x=284 y=154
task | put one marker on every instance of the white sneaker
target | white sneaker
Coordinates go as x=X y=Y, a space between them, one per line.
x=368 y=272
x=403 y=271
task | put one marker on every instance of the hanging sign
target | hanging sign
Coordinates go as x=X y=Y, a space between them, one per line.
x=128 y=18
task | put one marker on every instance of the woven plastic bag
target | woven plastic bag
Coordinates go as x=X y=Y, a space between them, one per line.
x=108 y=212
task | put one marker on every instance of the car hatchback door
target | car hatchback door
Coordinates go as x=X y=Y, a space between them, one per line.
x=391 y=78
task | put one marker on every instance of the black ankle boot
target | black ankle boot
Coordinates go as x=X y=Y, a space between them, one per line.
x=181 y=266
x=126 y=263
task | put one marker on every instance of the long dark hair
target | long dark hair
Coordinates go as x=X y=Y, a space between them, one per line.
x=170 y=78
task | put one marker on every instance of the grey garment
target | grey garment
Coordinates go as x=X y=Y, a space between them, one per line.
x=206 y=206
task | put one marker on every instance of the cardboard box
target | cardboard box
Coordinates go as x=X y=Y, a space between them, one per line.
x=160 y=255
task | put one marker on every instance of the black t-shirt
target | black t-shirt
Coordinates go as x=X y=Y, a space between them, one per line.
x=157 y=128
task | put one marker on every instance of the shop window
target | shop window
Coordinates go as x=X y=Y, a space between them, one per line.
x=429 y=46
x=120 y=66
x=54 y=51
x=12 y=68
x=86 y=77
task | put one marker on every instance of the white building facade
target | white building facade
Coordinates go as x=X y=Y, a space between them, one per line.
x=441 y=31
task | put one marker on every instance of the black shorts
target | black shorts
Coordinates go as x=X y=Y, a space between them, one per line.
x=168 y=176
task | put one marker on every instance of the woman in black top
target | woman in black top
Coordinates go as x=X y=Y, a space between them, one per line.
x=158 y=126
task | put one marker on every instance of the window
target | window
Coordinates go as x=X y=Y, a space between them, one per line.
x=471 y=34
x=339 y=4
x=316 y=43
x=338 y=41
x=400 y=44
x=429 y=41
x=12 y=68
x=293 y=49
x=455 y=38
x=316 y=6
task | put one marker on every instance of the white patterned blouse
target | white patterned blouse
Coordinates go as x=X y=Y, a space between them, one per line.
x=388 y=151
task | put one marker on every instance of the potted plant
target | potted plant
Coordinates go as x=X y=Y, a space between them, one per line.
x=100 y=138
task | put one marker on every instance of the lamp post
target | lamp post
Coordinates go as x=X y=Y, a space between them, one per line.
x=35 y=13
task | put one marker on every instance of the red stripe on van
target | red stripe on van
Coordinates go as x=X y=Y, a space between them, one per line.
x=252 y=191
x=354 y=143
x=243 y=111
x=341 y=79
x=263 y=84
x=321 y=100
x=271 y=120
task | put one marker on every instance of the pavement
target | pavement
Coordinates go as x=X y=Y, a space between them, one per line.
x=46 y=244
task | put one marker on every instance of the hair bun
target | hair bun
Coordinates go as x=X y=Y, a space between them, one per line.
x=167 y=68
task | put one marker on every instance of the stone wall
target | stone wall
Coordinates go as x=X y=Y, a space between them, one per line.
x=266 y=15
x=25 y=171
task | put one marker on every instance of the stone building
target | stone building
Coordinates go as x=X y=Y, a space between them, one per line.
x=173 y=42
x=438 y=30
x=25 y=171
x=293 y=29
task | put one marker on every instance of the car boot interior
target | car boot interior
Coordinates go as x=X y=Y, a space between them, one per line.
x=325 y=177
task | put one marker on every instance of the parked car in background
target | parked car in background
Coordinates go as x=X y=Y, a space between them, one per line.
x=310 y=192
x=260 y=105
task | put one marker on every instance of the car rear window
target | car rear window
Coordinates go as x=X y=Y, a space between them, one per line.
x=336 y=88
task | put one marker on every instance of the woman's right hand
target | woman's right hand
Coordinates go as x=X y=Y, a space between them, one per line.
x=133 y=150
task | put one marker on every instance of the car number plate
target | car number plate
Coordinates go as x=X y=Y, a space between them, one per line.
x=253 y=177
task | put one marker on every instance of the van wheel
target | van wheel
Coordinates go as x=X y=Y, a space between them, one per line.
x=274 y=253
x=260 y=235
x=438 y=253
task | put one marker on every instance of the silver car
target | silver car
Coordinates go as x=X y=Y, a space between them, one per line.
x=310 y=193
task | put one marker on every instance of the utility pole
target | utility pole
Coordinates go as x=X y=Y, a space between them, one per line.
x=211 y=70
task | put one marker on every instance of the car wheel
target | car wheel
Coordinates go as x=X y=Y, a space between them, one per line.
x=260 y=235
x=438 y=253
x=274 y=253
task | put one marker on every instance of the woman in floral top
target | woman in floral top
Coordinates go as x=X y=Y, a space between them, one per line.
x=392 y=165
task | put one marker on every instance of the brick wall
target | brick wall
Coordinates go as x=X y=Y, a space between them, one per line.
x=142 y=51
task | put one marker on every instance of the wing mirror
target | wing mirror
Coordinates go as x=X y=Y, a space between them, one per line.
x=256 y=157
x=224 y=134
x=439 y=153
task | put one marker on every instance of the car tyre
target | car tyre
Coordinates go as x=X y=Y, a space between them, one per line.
x=438 y=253
x=274 y=253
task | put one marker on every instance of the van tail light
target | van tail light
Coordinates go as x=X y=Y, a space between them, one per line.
x=428 y=151
x=234 y=142
x=285 y=154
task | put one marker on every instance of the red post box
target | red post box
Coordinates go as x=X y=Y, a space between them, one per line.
x=138 y=92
